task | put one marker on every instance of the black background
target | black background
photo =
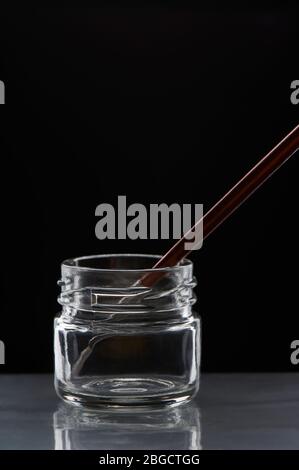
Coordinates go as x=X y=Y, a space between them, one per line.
x=162 y=104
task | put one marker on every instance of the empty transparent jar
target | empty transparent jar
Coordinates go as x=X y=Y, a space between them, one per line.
x=120 y=343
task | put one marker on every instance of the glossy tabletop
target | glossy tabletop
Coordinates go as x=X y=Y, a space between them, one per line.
x=231 y=411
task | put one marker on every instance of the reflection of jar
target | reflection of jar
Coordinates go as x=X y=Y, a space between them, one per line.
x=84 y=429
x=118 y=342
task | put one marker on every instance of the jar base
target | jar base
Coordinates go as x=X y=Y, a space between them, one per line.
x=124 y=393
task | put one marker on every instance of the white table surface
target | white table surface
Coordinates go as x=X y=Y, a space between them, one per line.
x=232 y=411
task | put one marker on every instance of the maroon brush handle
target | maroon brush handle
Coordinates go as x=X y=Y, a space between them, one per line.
x=230 y=201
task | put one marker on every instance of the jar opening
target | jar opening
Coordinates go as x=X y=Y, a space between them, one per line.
x=122 y=262
x=111 y=284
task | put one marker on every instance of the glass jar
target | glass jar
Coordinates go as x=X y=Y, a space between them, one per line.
x=119 y=342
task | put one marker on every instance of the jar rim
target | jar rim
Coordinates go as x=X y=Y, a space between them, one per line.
x=74 y=263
